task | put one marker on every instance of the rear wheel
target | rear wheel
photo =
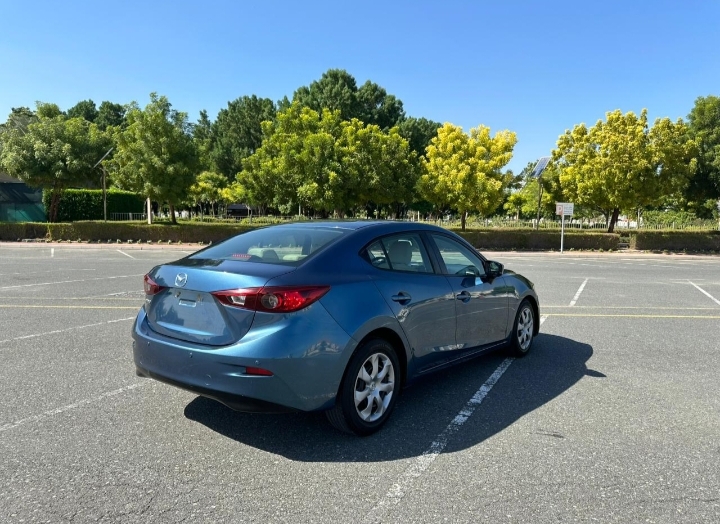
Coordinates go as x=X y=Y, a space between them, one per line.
x=369 y=390
x=523 y=330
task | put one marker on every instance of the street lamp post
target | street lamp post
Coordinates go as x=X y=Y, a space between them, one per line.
x=537 y=172
x=104 y=177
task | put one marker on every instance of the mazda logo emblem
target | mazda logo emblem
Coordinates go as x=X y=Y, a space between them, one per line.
x=181 y=280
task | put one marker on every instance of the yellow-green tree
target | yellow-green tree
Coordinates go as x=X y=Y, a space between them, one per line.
x=463 y=172
x=623 y=164
x=208 y=189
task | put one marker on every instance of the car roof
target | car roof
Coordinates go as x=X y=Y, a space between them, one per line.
x=353 y=225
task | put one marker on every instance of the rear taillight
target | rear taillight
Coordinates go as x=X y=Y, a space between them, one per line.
x=151 y=287
x=272 y=299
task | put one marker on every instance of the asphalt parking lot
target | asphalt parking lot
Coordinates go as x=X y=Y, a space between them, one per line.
x=613 y=417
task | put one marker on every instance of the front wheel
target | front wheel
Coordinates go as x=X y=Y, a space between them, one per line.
x=523 y=330
x=369 y=390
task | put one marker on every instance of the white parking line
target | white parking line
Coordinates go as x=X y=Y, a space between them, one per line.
x=706 y=293
x=35 y=335
x=577 y=295
x=422 y=463
x=123 y=253
x=62 y=409
x=70 y=281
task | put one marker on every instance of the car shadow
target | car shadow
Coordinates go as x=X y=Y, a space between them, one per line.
x=423 y=411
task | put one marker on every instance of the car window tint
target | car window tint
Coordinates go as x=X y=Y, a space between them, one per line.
x=406 y=252
x=286 y=246
x=458 y=259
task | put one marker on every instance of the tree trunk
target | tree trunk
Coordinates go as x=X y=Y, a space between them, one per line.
x=613 y=220
x=172 y=214
x=54 y=205
x=463 y=217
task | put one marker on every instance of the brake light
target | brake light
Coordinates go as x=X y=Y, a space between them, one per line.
x=151 y=287
x=272 y=299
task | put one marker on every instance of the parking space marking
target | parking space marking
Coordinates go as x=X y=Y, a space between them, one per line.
x=123 y=253
x=93 y=298
x=711 y=308
x=45 y=306
x=56 y=331
x=601 y=315
x=46 y=271
x=422 y=463
x=706 y=293
x=68 y=407
x=70 y=281
x=577 y=295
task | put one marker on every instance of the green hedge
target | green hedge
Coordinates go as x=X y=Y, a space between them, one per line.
x=123 y=231
x=676 y=240
x=542 y=239
x=504 y=239
x=87 y=204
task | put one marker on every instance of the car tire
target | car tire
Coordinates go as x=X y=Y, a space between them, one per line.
x=521 y=338
x=369 y=390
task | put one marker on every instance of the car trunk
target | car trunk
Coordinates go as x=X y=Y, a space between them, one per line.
x=187 y=310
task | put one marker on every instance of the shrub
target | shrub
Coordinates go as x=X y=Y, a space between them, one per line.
x=541 y=240
x=676 y=240
x=21 y=230
x=87 y=204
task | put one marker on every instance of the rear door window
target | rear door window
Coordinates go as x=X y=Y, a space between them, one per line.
x=404 y=252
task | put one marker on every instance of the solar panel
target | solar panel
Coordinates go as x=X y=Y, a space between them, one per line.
x=540 y=166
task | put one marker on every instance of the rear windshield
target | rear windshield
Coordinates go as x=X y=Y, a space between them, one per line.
x=284 y=246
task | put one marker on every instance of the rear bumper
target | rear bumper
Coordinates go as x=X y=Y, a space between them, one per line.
x=236 y=402
x=307 y=354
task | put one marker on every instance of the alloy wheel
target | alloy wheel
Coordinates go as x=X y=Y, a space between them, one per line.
x=374 y=387
x=525 y=326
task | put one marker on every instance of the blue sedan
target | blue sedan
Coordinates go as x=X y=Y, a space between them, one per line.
x=332 y=316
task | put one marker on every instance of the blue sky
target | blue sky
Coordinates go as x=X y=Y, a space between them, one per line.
x=536 y=68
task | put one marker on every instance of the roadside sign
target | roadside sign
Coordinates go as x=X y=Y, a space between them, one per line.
x=564 y=208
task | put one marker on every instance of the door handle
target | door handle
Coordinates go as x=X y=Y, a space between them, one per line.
x=464 y=296
x=402 y=298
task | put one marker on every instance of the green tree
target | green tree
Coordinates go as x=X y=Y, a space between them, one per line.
x=622 y=164
x=378 y=167
x=155 y=155
x=203 y=138
x=376 y=107
x=85 y=109
x=419 y=132
x=237 y=132
x=53 y=153
x=110 y=115
x=318 y=161
x=47 y=110
x=463 y=172
x=19 y=118
x=337 y=90
x=296 y=161
x=704 y=126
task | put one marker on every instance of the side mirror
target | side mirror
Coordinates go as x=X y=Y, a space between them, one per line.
x=495 y=269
